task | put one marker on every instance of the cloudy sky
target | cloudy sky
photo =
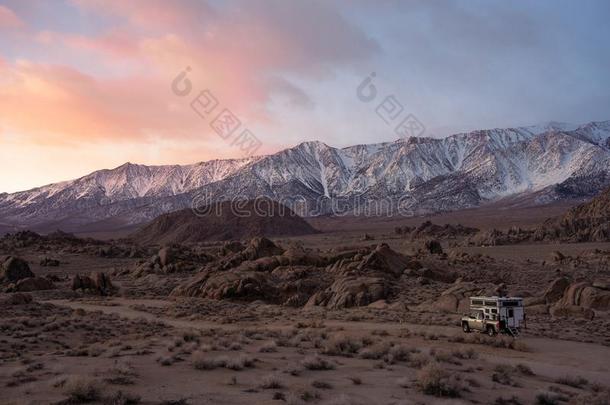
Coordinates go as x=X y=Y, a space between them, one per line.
x=87 y=84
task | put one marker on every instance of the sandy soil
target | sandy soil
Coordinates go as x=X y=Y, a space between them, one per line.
x=143 y=345
x=164 y=365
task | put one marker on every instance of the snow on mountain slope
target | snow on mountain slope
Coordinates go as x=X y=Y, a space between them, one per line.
x=459 y=171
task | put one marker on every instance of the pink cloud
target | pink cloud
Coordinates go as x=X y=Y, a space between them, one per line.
x=240 y=52
x=8 y=19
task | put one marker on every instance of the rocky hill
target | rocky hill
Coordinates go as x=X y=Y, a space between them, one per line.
x=585 y=222
x=588 y=222
x=224 y=221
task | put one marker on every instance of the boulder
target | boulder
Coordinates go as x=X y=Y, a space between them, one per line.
x=433 y=246
x=98 y=283
x=385 y=261
x=583 y=294
x=247 y=285
x=351 y=291
x=166 y=255
x=14 y=269
x=433 y=275
x=572 y=311
x=82 y=283
x=555 y=290
x=257 y=248
x=33 y=284
x=103 y=283
x=457 y=297
x=381 y=304
x=581 y=299
x=602 y=284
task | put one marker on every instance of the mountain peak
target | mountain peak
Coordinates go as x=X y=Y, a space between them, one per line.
x=434 y=174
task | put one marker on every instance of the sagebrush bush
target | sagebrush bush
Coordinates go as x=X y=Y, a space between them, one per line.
x=317 y=363
x=83 y=389
x=433 y=379
x=572 y=381
x=271 y=381
x=342 y=345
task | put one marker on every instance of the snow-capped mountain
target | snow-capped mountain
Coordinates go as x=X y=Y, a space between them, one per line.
x=417 y=174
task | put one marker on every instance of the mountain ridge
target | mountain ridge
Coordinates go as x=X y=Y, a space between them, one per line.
x=427 y=174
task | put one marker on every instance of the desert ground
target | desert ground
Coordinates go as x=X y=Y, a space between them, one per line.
x=355 y=314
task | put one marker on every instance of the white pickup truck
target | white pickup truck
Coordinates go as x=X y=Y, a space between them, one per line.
x=493 y=315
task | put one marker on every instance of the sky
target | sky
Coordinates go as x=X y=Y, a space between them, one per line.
x=92 y=84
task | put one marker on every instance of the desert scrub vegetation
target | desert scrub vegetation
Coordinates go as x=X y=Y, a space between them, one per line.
x=122 y=398
x=572 y=381
x=435 y=380
x=342 y=345
x=419 y=360
x=121 y=374
x=320 y=384
x=317 y=363
x=271 y=381
x=202 y=361
x=503 y=374
x=81 y=390
x=549 y=398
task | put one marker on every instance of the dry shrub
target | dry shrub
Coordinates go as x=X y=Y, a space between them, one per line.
x=446 y=357
x=122 y=398
x=317 y=363
x=468 y=354
x=203 y=362
x=323 y=385
x=419 y=360
x=239 y=363
x=398 y=353
x=375 y=352
x=524 y=369
x=549 y=398
x=82 y=389
x=503 y=374
x=433 y=379
x=271 y=381
x=572 y=381
x=121 y=374
x=599 y=396
x=342 y=345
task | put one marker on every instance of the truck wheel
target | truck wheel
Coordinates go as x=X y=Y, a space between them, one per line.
x=491 y=331
x=465 y=327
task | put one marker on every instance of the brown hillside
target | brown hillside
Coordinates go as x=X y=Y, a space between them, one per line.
x=585 y=222
x=224 y=221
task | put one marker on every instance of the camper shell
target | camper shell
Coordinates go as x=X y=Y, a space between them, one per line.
x=494 y=315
